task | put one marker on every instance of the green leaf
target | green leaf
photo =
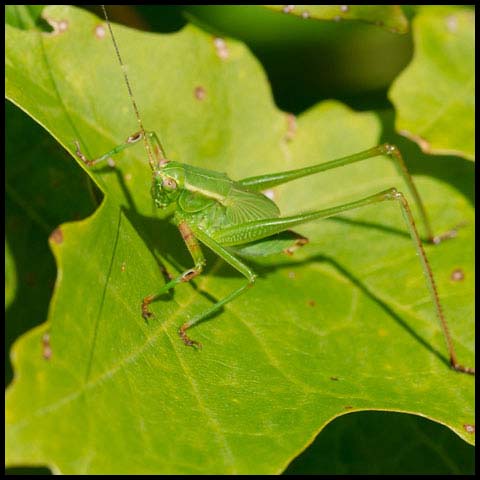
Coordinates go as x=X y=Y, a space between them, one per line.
x=373 y=443
x=435 y=95
x=23 y=16
x=43 y=188
x=310 y=60
x=345 y=325
x=390 y=17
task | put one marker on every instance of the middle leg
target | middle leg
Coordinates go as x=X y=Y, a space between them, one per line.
x=187 y=275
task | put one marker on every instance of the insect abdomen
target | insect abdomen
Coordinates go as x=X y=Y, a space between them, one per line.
x=240 y=236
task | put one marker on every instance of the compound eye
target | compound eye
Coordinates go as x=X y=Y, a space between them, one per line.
x=169 y=183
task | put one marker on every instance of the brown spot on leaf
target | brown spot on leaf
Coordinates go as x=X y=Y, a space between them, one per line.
x=200 y=93
x=457 y=275
x=59 y=26
x=100 y=31
x=57 y=236
x=291 y=127
x=469 y=428
x=221 y=47
x=46 y=347
x=452 y=23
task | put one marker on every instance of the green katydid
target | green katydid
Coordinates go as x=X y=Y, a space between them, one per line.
x=234 y=217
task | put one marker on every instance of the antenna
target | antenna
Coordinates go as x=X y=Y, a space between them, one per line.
x=129 y=88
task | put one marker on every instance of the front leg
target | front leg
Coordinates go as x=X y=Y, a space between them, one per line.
x=199 y=262
x=131 y=140
x=153 y=146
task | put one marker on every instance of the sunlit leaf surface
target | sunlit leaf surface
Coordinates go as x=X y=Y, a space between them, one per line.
x=345 y=324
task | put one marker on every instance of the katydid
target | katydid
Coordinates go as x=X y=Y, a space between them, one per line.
x=232 y=217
